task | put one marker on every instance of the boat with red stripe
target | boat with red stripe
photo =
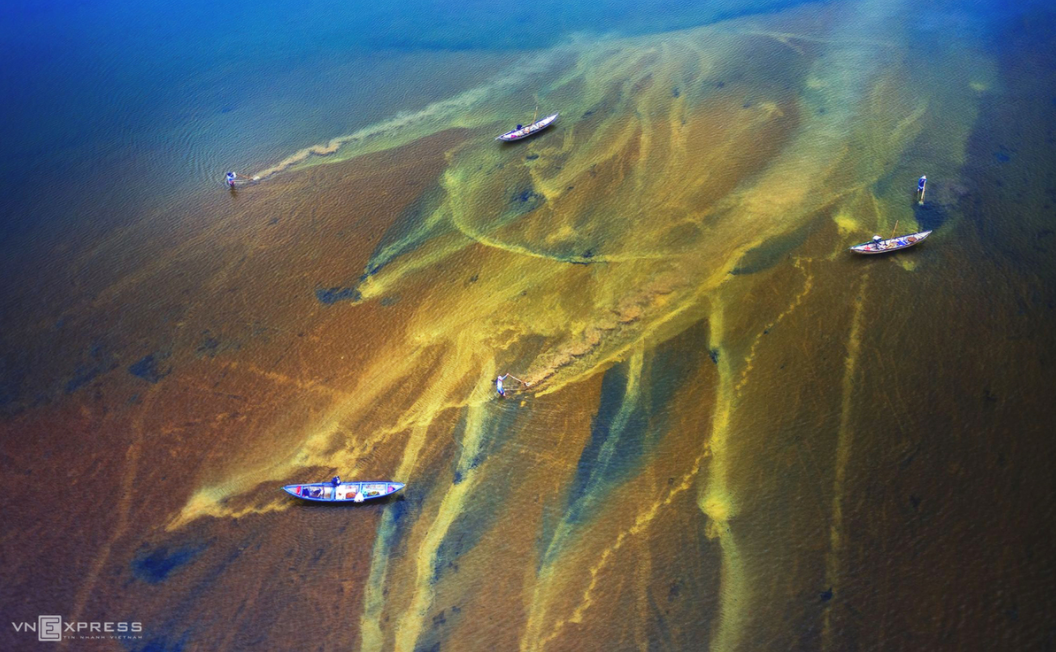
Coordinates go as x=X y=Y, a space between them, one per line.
x=336 y=491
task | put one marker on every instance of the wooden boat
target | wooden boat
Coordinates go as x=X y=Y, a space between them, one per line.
x=525 y=131
x=880 y=246
x=336 y=491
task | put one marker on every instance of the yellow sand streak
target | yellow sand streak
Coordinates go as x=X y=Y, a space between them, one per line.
x=717 y=502
x=315 y=449
x=411 y=622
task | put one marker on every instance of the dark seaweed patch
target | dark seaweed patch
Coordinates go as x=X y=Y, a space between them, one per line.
x=526 y=195
x=10 y=383
x=158 y=565
x=100 y=361
x=930 y=216
x=208 y=346
x=597 y=470
x=766 y=256
x=330 y=296
x=149 y=369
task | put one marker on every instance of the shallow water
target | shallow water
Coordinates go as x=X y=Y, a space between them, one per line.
x=735 y=435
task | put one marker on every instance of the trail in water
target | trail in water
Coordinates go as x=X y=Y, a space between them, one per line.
x=471 y=108
x=124 y=508
x=844 y=444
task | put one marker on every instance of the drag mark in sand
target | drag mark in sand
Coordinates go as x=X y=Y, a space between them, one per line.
x=808 y=283
x=844 y=442
x=124 y=506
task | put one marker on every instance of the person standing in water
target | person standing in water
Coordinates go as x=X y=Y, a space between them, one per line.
x=231 y=179
x=499 y=387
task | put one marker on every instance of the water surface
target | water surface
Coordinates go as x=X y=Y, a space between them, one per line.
x=736 y=436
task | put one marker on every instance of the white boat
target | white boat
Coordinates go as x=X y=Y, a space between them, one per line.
x=336 y=491
x=880 y=246
x=524 y=131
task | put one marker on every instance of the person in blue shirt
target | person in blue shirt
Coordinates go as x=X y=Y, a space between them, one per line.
x=499 y=387
x=231 y=179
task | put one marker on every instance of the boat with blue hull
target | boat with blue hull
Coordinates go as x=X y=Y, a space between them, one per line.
x=336 y=491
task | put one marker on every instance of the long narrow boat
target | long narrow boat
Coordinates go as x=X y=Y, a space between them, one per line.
x=880 y=246
x=341 y=492
x=525 y=131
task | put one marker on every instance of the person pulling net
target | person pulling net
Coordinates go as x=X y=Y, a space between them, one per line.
x=232 y=178
x=500 y=388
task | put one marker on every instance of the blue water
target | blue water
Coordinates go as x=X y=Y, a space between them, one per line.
x=112 y=107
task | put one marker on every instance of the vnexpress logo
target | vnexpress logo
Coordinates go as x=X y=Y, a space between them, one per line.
x=49 y=628
x=54 y=628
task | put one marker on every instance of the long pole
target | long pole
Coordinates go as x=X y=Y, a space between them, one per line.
x=922 y=190
x=893 y=230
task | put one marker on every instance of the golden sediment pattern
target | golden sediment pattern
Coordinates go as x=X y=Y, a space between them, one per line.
x=687 y=212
